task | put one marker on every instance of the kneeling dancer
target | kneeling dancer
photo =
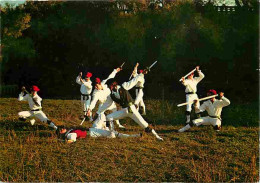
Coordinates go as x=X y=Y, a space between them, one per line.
x=213 y=107
x=35 y=105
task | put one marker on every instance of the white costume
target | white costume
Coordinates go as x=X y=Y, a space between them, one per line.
x=96 y=132
x=106 y=103
x=85 y=89
x=73 y=135
x=190 y=90
x=36 y=110
x=139 y=90
x=214 y=113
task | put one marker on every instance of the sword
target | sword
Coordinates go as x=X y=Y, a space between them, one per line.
x=152 y=65
x=122 y=65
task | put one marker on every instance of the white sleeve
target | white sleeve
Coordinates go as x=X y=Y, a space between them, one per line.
x=23 y=98
x=185 y=82
x=78 y=80
x=201 y=108
x=94 y=100
x=37 y=99
x=88 y=84
x=224 y=102
x=135 y=72
x=201 y=76
x=72 y=136
x=130 y=84
x=112 y=75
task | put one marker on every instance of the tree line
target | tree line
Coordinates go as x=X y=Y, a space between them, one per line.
x=49 y=43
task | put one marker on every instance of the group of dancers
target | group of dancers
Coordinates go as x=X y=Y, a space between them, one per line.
x=117 y=99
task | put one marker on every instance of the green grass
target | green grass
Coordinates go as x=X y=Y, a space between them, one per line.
x=33 y=153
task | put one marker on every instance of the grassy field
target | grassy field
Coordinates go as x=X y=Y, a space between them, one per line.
x=33 y=153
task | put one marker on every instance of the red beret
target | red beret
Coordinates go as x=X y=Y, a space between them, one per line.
x=98 y=80
x=35 y=88
x=141 y=71
x=89 y=74
x=212 y=92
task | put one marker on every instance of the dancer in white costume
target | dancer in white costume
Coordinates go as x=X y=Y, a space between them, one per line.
x=85 y=90
x=34 y=101
x=190 y=90
x=214 y=109
x=102 y=94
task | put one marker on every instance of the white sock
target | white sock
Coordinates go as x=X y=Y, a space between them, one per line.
x=184 y=128
x=53 y=125
x=156 y=135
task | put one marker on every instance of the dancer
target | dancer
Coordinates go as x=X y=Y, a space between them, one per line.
x=190 y=90
x=214 y=109
x=85 y=89
x=34 y=101
x=102 y=94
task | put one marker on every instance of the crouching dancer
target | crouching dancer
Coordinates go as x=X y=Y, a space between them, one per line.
x=35 y=105
x=213 y=107
x=71 y=135
x=121 y=96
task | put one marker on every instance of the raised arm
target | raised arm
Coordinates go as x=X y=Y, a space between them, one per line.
x=135 y=70
x=130 y=84
x=21 y=96
x=201 y=75
x=223 y=100
x=79 y=78
x=112 y=75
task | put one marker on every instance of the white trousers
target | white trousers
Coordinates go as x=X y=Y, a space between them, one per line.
x=139 y=98
x=207 y=121
x=100 y=121
x=31 y=114
x=191 y=98
x=123 y=113
x=85 y=103
x=95 y=132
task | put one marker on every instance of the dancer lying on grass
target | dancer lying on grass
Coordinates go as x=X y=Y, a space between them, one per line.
x=71 y=135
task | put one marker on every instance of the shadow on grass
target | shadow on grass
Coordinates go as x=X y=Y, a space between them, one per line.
x=22 y=126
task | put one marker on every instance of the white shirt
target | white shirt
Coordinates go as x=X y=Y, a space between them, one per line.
x=86 y=86
x=136 y=81
x=141 y=81
x=191 y=84
x=99 y=95
x=104 y=94
x=215 y=108
x=29 y=98
x=72 y=136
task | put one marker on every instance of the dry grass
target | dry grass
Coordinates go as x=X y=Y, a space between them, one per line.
x=33 y=153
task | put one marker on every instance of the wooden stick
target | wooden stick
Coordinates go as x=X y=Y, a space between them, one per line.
x=205 y=98
x=188 y=74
